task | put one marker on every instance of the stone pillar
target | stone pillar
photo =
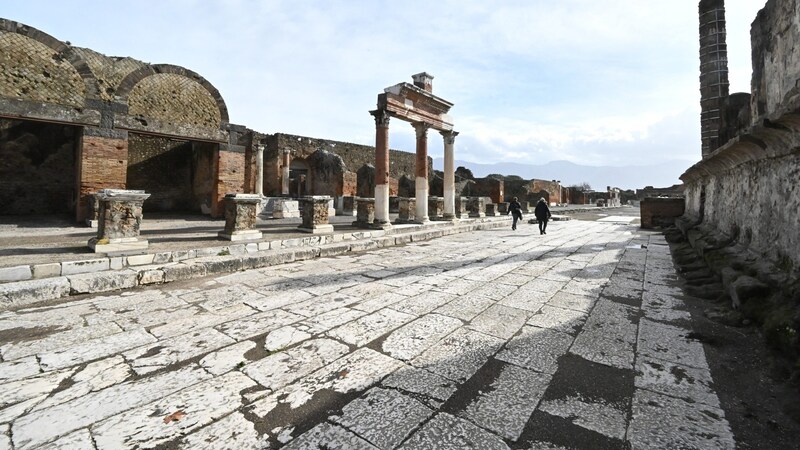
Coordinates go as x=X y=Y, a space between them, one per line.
x=240 y=217
x=408 y=209
x=119 y=221
x=491 y=210
x=422 y=171
x=259 y=172
x=315 y=214
x=381 y=166
x=502 y=207
x=285 y=173
x=477 y=206
x=460 y=207
x=449 y=174
x=435 y=207
x=349 y=205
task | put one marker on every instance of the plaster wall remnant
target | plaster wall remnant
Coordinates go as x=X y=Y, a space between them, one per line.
x=742 y=198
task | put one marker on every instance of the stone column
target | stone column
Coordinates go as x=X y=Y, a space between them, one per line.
x=449 y=174
x=365 y=212
x=259 y=170
x=119 y=221
x=240 y=217
x=381 y=167
x=422 y=171
x=285 y=173
x=315 y=214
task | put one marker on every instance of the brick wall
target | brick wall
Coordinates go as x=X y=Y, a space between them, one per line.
x=103 y=165
x=163 y=168
x=658 y=212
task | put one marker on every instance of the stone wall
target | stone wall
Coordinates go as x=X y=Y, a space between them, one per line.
x=488 y=187
x=229 y=178
x=660 y=212
x=103 y=165
x=37 y=167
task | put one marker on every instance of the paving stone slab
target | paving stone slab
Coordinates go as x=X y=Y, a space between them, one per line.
x=94 y=377
x=365 y=329
x=670 y=343
x=25 y=389
x=227 y=359
x=22 y=293
x=508 y=403
x=200 y=321
x=660 y=421
x=78 y=440
x=602 y=417
x=434 y=388
x=383 y=417
x=284 y=337
x=42 y=426
x=18 y=369
x=536 y=348
x=279 y=369
x=499 y=321
x=664 y=377
x=412 y=339
x=458 y=356
x=182 y=412
x=95 y=349
x=231 y=432
x=564 y=320
x=328 y=437
x=328 y=320
x=446 y=432
x=465 y=307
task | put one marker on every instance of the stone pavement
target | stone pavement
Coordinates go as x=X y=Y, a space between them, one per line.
x=487 y=339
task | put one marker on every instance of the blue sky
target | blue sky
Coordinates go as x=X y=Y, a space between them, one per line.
x=595 y=82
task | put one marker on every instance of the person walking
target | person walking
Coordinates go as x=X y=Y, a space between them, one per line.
x=542 y=213
x=516 y=212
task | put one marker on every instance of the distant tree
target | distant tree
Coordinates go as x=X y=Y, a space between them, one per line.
x=581 y=187
x=514 y=178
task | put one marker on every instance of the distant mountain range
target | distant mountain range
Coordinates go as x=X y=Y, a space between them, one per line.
x=624 y=177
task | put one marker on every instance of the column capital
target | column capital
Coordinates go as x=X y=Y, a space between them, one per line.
x=287 y=151
x=381 y=118
x=449 y=136
x=421 y=128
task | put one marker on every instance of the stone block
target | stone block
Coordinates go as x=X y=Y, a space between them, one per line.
x=222 y=264
x=251 y=247
x=302 y=254
x=162 y=257
x=747 y=289
x=15 y=273
x=116 y=262
x=360 y=246
x=183 y=271
x=85 y=266
x=139 y=260
x=333 y=250
x=284 y=208
x=237 y=249
x=151 y=276
x=22 y=293
x=264 y=246
x=46 y=270
x=88 y=283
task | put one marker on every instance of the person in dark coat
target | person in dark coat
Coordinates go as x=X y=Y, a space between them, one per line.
x=542 y=213
x=516 y=212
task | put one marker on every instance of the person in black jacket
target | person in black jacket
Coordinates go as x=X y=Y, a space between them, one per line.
x=516 y=212
x=542 y=213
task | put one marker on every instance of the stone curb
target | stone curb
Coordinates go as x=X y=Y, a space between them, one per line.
x=108 y=275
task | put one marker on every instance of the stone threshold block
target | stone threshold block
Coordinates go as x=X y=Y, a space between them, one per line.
x=241 y=213
x=315 y=211
x=119 y=221
x=286 y=208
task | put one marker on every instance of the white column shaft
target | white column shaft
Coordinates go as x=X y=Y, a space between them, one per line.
x=422 y=199
x=260 y=170
x=449 y=180
x=382 y=203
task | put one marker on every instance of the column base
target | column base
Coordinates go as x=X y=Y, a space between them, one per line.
x=243 y=235
x=317 y=229
x=118 y=245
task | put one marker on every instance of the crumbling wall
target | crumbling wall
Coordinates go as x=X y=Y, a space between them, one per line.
x=162 y=167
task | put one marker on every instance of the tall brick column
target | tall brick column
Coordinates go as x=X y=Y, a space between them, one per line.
x=713 y=72
x=422 y=171
x=381 y=166
x=229 y=177
x=102 y=164
x=449 y=174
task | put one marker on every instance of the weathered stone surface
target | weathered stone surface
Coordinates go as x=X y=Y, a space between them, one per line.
x=102 y=282
x=459 y=355
x=95 y=349
x=536 y=348
x=328 y=437
x=446 y=432
x=412 y=339
x=367 y=328
x=280 y=369
x=16 y=273
x=231 y=432
x=84 y=266
x=21 y=293
x=167 y=352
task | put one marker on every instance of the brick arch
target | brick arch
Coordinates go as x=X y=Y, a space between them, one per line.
x=61 y=58
x=161 y=74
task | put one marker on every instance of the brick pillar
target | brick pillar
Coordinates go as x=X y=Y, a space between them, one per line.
x=713 y=72
x=229 y=178
x=381 y=166
x=102 y=164
x=421 y=171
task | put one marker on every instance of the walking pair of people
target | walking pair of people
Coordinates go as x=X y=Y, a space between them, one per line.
x=542 y=213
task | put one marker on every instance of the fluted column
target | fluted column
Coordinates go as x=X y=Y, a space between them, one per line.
x=449 y=175
x=422 y=171
x=285 y=174
x=260 y=170
x=381 y=166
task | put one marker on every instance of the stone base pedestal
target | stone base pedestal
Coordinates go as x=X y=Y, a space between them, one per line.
x=240 y=217
x=365 y=217
x=477 y=206
x=407 y=210
x=315 y=212
x=491 y=210
x=435 y=208
x=348 y=206
x=119 y=221
x=285 y=209
x=394 y=204
x=502 y=208
x=461 y=208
